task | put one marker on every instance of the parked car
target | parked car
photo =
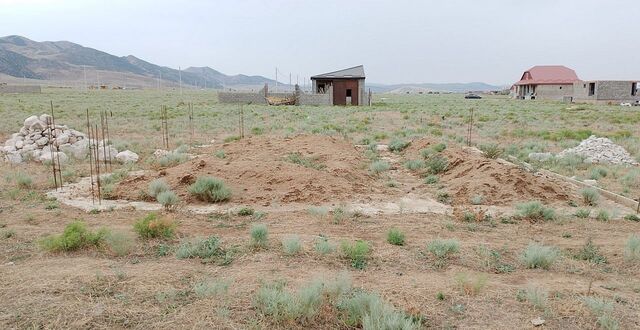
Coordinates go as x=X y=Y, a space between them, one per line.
x=472 y=96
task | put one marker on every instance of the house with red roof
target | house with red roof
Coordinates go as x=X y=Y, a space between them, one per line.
x=547 y=82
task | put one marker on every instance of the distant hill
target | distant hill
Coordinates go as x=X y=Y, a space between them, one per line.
x=433 y=87
x=62 y=60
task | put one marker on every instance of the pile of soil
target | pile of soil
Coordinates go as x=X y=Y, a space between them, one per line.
x=471 y=174
x=258 y=171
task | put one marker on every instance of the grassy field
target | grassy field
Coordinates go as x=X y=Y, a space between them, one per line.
x=322 y=264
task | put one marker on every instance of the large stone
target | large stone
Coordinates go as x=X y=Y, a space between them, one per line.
x=62 y=139
x=30 y=121
x=46 y=157
x=46 y=119
x=159 y=153
x=78 y=150
x=19 y=144
x=127 y=156
x=109 y=153
x=37 y=126
x=13 y=157
x=24 y=131
x=42 y=141
x=10 y=143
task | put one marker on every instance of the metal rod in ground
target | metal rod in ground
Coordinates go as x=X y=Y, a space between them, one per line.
x=93 y=200
x=106 y=126
x=51 y=152
x=95 y=134
x=59 y=167
x=104 y=143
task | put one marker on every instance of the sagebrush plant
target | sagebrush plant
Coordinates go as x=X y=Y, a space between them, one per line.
x=220 y=154
x=414 y=164
x=168 y=199
x=379 y=166
x=582 y=213
x=292 y=245
x=491 y=150
x=153 y=227
x=259 y=235
x=632 y=248
x=477 y=200
x=323 y=246
x=395 y=237
x=318 y=211
x=603 y=215
x=211 y=287
x=397 y=145
x=535 y=211
x=443 y=249
x=537 y=297
x=603 y=310
x=74 y=237
x=431 y=179
x=590 y=252
x=590 y=196
x=119 y=243
x=309 y=162
x=210 y=189
x=436 y=164
x=23 y=180
x=539 y=256
x=158 y=186
x=439 y=147
x=357 y=252
x=471 y=286
x=245 y=211
x=204 y=248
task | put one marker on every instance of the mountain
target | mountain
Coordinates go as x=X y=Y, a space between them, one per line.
x=62 y=60
x=433 y=87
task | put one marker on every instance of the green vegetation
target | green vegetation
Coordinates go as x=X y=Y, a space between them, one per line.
x=291 y=245
x=395 y=237
x=357 y=252
x=603 y=310
x=471 y=286
x=203 y=248
x=245 y=211
x=603 y=216
x=590 y=196
x=590 y=252
x=443 y=250
x=211 y=287
x=535 y=211
x=75 y=236
x=153 y=227
x=582 y=213
x=414 y=164
x=431 y=179
x=632 y=248
x=491 y=150
x=119 y=243
x=158 y=186
x=437 y=164
x=308 y=162
x=210 y=190
x=323 y=246
x=259 y=236
x=168 y=199
x=535 y=296
x=397 y=145
x=379 y=166
x=539 y=256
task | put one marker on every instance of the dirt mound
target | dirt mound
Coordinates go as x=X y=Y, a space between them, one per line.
x=264 y=170
x=470 y=174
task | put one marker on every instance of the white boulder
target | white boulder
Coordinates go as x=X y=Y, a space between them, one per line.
x=127 y=156
x=46 y=157
x=30 y=121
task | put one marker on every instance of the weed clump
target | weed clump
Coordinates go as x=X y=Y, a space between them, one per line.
x=379 y=166
x=397 y=145
x=491 y=150
x=168 y=199
x=308 y=162
x=210 y=189
x=211 y=287
x=245 y=211
x=74 y=237
x=414 y=164
x=537 y=297
x=119 y=243
x=152 y=227
x=23 y=180
x=437 y=164
x=535 y=211
x=323 y=246
x=590 y=196
x=443 y=249
x=357 y=253
x=395 y=237
x=200 y=248
x=632 y=248
x=470 y=286
x=291 y=245
x=582 y=213
x=259 y=236
x=539 y=256
x=431 y=179
x=158 y=186
x=590 y=252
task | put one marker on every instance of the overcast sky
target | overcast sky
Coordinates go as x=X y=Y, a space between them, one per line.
x=398 y=41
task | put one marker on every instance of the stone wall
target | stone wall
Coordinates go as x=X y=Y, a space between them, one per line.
x=5 y=89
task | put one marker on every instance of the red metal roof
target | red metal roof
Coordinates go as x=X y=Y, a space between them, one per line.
x=548 y=75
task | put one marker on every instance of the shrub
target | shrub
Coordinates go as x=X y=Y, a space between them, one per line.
x=200 y=248
x=158 y=186
x=397 y=145
x=369 y=311
x=211 y=287
x=318 y=211
x=632 y=248
x=591 y=253
x=210 y=189
x=597 y=173
x=477 y=199
x=603 y=215
x=172 y=159
x=152 y=227
x=23 y=180
x=168 y=199
x=245 y=211
x=437 y=164
x=119 y=243
x=491 y=150
x=357 y=253
x=323 y=246
x=539 y=256
x=583 y=213
x=308 y=162
x=602 y=310
x=590 y=196
x=470 y=286
x=632 y=217
x=443 y=249
x=395 y=237
x=439 y=147
x=259 y=236
x=379 y=166
x=414 y=164
x=220 y=154
x=8 y=233
x=443 y=197
x=431 y=179
x=535 y=296
x=272 y=300
x=535 y=211
x=74 y=237
x=292 y=245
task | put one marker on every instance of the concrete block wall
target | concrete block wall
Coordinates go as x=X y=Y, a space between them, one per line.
x=315 y=99
x=605 y=90
x=553 y=92
x=244 y=98
x=19 y=89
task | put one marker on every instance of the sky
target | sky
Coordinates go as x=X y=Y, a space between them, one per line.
x=397 y=41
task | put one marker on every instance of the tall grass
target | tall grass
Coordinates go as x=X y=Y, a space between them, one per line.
x=210 y=189
x=539 y=256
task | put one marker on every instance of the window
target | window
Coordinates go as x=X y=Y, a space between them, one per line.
x=584 y=85
x=560 y=87
x=592 y=88
x=348 y=93
x=634 y=89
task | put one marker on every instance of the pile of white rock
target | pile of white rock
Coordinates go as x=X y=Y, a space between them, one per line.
x=600 y=150
x=38 y=140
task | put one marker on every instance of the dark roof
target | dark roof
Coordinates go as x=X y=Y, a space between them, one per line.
x=548 y=75
x=355 y=72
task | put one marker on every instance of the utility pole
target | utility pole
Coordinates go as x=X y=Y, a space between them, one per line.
x=180 y=77
x=289 y=78
x=276 y=79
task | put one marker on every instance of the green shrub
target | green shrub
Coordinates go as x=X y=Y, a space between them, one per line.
x=210 y=189
x=158 y=186
x=119 y=243
x=535 y=211
x=477 y=200
x=318 y=211
x=323 y=246
x=632 y=217
x=470 y=286
x=439 y=147
x=397 y=145
x=8 y=233
x=308 y=162
x=491 y=150
x=603 y=216
x=369 y=311
x=443 y=197
x=172 y=159
x=245 y=211
x=152 y=227
x=23 y=180
x=74 y=237
x=632 y=248
x=443 y=249
x=583 y=213
x=259 y=236
x=200 y=248
x=414 y=164
x=431 y=179
x=602 y=309
x=231 y=138
x=357 y=253
x=590 y=252
x=539 y=256
x=537 y=297
x=220 y=154
x=168 y=199
x=597 y=173
x=437 y=164
x=379 y=166
x=291 y=245
x=211 y=287
x=395 y=237
x=590 y=196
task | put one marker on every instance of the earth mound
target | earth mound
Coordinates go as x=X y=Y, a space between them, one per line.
x=265 y=170
x=469 y=174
